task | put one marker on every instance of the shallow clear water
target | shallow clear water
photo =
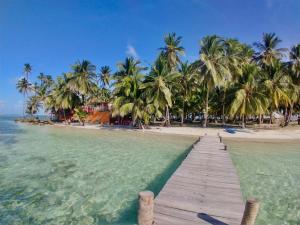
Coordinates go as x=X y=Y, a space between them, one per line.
x=52 y=175
x=270 y=172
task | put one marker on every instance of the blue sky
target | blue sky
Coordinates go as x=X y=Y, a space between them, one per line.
x=53 y=34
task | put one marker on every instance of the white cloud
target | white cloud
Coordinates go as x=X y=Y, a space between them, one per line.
x=130 y=51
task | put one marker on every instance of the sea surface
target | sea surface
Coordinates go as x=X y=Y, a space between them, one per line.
x=270 y=171
x=68 y=176
x=55 y=176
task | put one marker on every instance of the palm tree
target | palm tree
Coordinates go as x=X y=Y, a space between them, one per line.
x=129 y=67
x=128 y=97
x=188 y=83
x=172 y=50
x=27 y=70
x=82 y=80
x=23 y=86
x=158 y=86
x=268 y=49
x=277 y=85
x=248 y=96
x=213 y=67
x=80 y=115
x=33 y=105
x=42 y=78
x=295 y=59
x=105 y=75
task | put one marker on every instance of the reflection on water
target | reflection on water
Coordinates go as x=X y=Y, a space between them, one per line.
x=270 y=172
x=68 y=176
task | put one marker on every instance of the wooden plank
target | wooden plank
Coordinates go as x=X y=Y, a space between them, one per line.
x=205 y=189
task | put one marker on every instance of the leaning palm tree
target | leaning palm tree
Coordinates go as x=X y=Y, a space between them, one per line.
x=33 y=105
x=172 y=50
x=213 y=67
x=27 y=70
x=248 y=96
x=105 y=73
x=268 y=49
x=23 y=86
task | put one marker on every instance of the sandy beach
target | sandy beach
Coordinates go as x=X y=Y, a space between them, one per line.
x=289 y=133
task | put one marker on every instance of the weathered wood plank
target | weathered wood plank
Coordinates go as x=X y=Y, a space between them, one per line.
x=205 y=189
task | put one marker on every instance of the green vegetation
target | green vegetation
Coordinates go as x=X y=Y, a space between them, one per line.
x=231 y=81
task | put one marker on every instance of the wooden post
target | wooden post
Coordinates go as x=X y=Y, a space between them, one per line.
x=225 y=147
x=146 y=205
x=250 y=212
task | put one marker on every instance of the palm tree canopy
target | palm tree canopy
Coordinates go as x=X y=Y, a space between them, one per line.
x=23 y=86
x=83 y=77
x=27 y=69
x=268 y=49
x=295 y=59
x=172 y=49
x=248 y=96
x=105 y=73
x=213 y=63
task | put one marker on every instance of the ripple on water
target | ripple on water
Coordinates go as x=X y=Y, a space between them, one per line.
x=64 y=176
x=270 y=172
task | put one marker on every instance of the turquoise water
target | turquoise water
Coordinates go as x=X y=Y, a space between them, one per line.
x=270 y=172
x=52 y=175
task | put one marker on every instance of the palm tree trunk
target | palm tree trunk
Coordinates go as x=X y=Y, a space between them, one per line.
x=167 y=116
x=223 y=108
x=259 y=119
x=182 y=114
x=206 y=109
x=64 y=115
x=24 y=106
x=289 y=115
x=243 y=121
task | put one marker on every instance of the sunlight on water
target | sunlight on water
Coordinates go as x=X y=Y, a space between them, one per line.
x=270 y=172
x=69 y=176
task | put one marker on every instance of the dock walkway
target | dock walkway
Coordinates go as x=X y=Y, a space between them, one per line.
x=205 y=189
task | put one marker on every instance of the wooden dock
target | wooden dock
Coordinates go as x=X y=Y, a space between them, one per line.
x=205 y=189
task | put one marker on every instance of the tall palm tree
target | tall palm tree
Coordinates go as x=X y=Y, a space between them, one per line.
x=27 y=70
x=268 y=49
x=277 y=85
x=172 y=50
x=82 y=81
x=295 y=59
x=42 y=78
x=23 y=86
x=158 y=87
x=129 y=67
x=105 y=73
x=188 y=83
x=213 y=67
x=248 y=96
x=128 y=97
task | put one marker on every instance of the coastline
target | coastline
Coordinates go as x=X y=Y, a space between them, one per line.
x=290 y=133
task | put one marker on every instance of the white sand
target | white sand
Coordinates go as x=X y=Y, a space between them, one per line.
x=280 y=133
